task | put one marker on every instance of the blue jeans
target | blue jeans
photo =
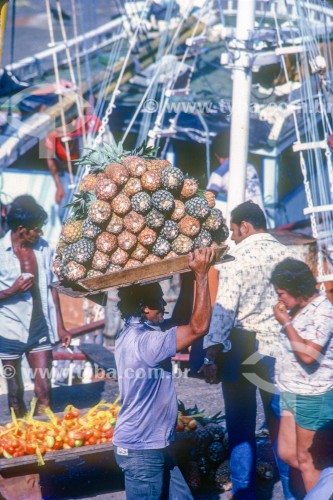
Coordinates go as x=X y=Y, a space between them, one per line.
x=239 y=393
x=152 y=475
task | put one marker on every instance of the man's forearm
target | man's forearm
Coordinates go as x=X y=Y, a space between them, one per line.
x=202 y=306
x=184 y=305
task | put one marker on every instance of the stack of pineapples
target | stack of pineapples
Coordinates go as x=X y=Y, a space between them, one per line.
x=133 y=209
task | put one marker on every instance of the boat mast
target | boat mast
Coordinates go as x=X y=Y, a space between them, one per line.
x=3 y=17
x=241 y=95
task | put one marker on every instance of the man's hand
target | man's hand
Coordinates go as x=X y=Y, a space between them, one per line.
x=210 y=373
x=60 y=194
x=21 y=285
x=200 y=260
x=65 y=337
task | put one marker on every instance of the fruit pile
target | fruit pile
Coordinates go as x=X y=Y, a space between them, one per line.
x=133 y=209
x=203 y=450
x=34 y=437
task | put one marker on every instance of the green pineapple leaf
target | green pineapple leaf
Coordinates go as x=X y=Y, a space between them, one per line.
x=145 y=151
x=80 y=204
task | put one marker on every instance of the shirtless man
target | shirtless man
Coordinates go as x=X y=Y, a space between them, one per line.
x=30 y=315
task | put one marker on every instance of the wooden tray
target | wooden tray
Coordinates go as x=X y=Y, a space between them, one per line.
x=143 y=274
x=28 y=463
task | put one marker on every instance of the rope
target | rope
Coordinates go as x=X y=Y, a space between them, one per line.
x=57 y=78
x=78 y=63
x=70 y=65
x=109 y=110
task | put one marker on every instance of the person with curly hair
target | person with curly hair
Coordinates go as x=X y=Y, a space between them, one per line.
x=304 y=366
x=143 y=350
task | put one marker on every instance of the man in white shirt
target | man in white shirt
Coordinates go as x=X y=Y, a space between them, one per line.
x=243 y=339
x=219 y=180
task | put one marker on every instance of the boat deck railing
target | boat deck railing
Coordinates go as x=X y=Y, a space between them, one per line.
x=91 y=42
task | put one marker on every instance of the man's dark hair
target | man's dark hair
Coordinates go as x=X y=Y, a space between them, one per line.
x=221 y=144
x=295 y=277
x=134 y=298
x=249 y=212
x=26 y=212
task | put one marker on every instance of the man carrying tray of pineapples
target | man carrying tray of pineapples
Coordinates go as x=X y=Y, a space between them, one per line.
x=133 y=209
x=143 y=350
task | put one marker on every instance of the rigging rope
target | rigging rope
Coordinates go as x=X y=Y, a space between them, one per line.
x=57 y=78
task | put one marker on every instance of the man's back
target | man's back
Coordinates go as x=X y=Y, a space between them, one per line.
x=245 y=297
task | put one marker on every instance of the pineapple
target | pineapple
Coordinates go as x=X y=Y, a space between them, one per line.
x=100 y=261
x=204 y=239
x=74 y=271
x=117 y=173
x=90 y=230
x=171 y=255
x=170 y=230
x=135 y=165
x=121 y=204
x=178 y=212
x=131 y=263
x=88 y=182
x=83 y=250
x=57 y=266
x=119 y=257
x=147 y=237
x=151 y=181
x=127 y=240
x=141 y=203
x=172 y=178
x=151 y=259
x=210 y=197
x=214 y=220
x=71 y=230
x=99 y=211
x=192 y=475
x=61 y=245
x=106 y=242
x=93 y=273
x=216 y=453
x=221 y=234
x=134 y=222
x=163 y=201
x=139 y=253
x=154 y=219
x=116 y=224
x=113 y=268
x=182 y=245
x=157 y=165
x=216 y=431
x=190 y=187
x=189 y=226
x=197 y=207
x=68 y=253
x=222 y=476
x=105 y=189
x=132 y=186
x=161 y=247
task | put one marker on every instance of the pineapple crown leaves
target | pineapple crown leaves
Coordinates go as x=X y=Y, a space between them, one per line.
x=80 y=204
x=95 y=159
x=145 y=151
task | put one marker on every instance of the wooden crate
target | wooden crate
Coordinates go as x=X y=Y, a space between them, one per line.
x=146 y=273
x=28 y=464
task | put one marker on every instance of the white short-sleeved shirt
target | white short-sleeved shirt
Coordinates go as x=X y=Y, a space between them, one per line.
x=315 y=323
x=219 y=182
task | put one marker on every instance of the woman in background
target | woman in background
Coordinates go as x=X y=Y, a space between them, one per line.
x=305 y=365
